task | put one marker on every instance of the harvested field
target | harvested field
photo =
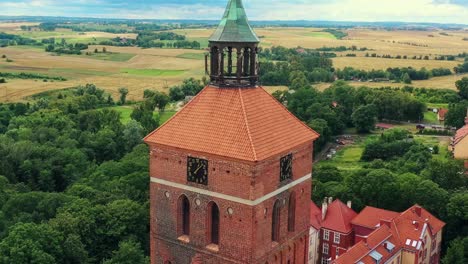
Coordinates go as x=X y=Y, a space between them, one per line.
x=445 y=82
x=138 y=69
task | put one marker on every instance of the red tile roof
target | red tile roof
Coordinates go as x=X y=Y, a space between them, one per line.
x=338 y=217
x=241 y=123
x=376 y=242
x=315 y=216
x=412 y=223
x=461 y=134
x=404 y=230
x=441 y=114
x=370 y=217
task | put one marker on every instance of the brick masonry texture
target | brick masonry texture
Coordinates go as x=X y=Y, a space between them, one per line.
x=245 y=236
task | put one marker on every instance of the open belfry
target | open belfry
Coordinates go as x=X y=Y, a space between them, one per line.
x=231 y=171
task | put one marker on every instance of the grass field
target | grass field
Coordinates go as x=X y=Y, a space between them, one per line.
x=121 y=57
x=430 y=118
x=348 y=158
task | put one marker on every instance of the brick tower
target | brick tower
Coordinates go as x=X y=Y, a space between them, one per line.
x=231 y=172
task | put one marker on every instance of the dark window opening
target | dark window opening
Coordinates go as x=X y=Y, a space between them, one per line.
x=275 y=225
x=184 y=222
x=214 y=224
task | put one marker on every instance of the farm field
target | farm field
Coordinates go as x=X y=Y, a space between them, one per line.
x=138 y=69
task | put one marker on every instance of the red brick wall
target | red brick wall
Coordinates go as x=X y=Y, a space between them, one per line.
x=346 y=241
x=245 y=236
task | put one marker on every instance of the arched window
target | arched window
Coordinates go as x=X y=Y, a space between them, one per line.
x=275 y=222
x=213 y=223
x=184 y=216
x=292 y=212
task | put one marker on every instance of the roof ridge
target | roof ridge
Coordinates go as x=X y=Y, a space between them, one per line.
x=175 y=115
x=247 y=124
x=291 y=114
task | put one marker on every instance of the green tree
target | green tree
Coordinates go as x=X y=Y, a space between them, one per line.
x=377 y=188
x=327 y=173
x=132 y=134
x=406 y=78
x=123 y=95
x=456 y=115
x=365 y=118
x=462 y=86
x=320 y=126
x=448 y=174
x=129 y=252
x=457 y=252
x=31 y=243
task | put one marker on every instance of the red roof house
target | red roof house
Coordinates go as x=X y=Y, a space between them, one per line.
x=459 y=145
x=336 y=233
x=415 y=232
x=441 y=114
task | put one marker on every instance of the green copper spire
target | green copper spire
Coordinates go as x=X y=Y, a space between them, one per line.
x=234 y=26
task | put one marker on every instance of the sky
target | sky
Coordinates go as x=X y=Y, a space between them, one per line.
x=439 y=11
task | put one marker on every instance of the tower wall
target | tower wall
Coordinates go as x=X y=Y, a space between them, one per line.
x=245 y=235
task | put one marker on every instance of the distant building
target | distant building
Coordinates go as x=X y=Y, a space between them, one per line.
x=459 y=145
x=441 y=114
x=382 y=236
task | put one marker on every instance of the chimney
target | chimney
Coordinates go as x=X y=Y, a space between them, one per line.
x=417 y=210
x=349 y=203
x=416 y=225
x=324 y=209
x=330 y=200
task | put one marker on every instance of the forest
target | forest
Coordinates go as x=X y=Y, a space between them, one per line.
x=74 y=178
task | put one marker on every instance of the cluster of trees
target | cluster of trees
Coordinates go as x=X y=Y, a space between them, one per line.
x=457 y=110
x=64 y=48
x=337 y=33
x=189 y=87
x=280 y=53
x=405 y=57
x=13 y=40
x=462 y=68
x=304 y=68
x=282 y=65
x=115 y=28
x=399 y=172
x=342 y=106
x=342 y=48
x=74 y=181
x=406 y=75
x=147 y=39
x=28 y=75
